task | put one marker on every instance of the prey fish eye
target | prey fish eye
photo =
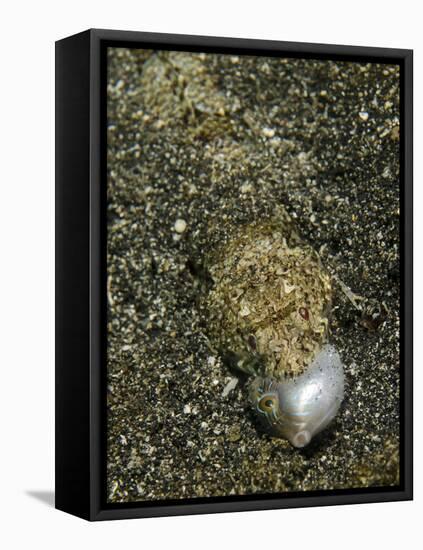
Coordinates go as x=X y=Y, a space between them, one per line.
x=266 y=403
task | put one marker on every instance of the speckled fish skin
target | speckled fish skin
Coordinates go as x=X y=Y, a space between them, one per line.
x=270 y=298
x=302 y=407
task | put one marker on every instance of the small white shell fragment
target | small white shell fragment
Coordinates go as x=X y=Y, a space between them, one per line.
x=287 y=288
x=268 y=132
x=246 y=188
x=231 y=385
x=180 y=225
x=245 y=311
x=364 y=115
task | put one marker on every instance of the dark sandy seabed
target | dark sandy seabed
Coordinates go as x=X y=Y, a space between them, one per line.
x=218 y=141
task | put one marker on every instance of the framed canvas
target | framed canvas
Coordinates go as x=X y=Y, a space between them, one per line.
x=233 y=274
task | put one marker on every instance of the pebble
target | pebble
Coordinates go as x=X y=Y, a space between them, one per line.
x=268 y=132
x=180 y=225
x=246 y=188
x=234 y=433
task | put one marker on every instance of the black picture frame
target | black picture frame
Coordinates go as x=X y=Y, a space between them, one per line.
x=81 y=272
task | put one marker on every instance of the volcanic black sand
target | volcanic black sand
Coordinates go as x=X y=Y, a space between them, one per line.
x=201 y=143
